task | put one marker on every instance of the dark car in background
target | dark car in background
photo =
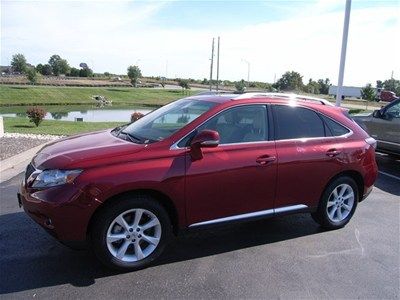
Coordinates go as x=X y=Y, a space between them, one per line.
x=384 y=126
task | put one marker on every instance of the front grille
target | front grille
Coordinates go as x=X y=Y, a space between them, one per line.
x=29 y=170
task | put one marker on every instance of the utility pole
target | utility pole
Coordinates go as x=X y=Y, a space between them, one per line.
x=248 y=72
x=218 y=65
x=212 y=62
x=343 y=53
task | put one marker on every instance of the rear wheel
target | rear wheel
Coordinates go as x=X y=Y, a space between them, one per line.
x=338 y=203
x=130 y=233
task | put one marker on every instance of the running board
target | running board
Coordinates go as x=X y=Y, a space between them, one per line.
x=261 y=213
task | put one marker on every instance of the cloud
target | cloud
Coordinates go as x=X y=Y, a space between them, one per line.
x=112 y=35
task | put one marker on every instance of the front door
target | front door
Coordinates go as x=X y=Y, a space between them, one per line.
x=386 y=129
x=238 y=176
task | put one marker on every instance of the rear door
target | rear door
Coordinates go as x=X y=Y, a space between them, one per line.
x=307 y=158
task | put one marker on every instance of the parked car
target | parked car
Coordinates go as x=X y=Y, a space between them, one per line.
x=384 y=95
x=200 y=161
x=384 y=126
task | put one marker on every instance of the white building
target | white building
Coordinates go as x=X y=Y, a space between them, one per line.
x=347 y=91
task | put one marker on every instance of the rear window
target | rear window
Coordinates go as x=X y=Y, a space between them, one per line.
x=334 y=127
x=297 y=122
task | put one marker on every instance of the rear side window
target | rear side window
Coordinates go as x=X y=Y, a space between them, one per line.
x=297 y=122
x=334 y=127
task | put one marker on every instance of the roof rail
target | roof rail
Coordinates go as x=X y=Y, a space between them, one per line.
x=212 y=93
x=289 y=96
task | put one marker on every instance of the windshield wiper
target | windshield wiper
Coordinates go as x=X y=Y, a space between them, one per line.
x=117 y=130
x=132 y=137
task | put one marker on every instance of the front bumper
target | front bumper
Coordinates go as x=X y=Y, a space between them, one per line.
x=63 y=211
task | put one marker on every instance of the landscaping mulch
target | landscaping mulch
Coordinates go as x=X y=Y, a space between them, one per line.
x=13 y=144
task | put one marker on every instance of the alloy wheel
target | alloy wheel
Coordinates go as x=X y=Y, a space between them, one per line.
x=133 y=235
x=340 y=203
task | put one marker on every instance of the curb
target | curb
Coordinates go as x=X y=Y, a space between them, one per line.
x=16 y=164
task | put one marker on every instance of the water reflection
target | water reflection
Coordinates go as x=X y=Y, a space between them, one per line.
x=88 y=115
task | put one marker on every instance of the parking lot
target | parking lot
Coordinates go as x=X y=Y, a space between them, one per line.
x=286 y=257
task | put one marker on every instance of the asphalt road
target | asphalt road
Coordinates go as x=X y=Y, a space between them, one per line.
x=285 y=257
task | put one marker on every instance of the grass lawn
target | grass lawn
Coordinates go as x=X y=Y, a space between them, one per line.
x=354 y=111
x=22 y=125
x=48 y=95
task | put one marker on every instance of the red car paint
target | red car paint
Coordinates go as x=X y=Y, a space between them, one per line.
x=226 y=180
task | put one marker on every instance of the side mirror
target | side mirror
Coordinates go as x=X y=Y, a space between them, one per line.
x=377 y=114
x=204 y=139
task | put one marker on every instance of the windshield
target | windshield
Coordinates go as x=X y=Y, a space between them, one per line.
x=165 y=121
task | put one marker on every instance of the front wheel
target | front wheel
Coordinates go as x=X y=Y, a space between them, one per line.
x=129 y=234
x=338 y=203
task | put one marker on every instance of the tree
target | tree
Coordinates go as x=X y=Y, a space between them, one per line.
x=184 y=84
x=240 y=86
x=379 y=84
x=134 y=74
x=268 y=87
x=312 y=87
x=85 y=72
x=368 y=93
x=74 y=72
x=58 y=65
x=32 y=75
x=18 y=62
x=290 y=81
x=392 y=85
x=39 y=68
x=324 y=86
x=46 y=70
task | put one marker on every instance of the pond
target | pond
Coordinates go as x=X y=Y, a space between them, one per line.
x=81 y=112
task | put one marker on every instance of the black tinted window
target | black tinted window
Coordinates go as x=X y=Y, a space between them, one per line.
x=335 y=128
x=240 y=124
x=297 y=122
x=393 y=111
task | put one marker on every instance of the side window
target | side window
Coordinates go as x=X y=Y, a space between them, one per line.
x=335 y=128
x=241 y=124
x=393 y=111
x=297 y=122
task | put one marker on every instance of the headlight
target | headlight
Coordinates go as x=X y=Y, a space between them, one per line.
x=50 y=178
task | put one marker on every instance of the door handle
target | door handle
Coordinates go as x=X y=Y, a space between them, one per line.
x=333 y=152
x=265 y=159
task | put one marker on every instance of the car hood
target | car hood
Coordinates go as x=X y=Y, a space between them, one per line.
x=85 y=150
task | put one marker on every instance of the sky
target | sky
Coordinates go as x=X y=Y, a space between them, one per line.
x=173 y=38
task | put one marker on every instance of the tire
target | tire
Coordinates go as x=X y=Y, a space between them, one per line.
x=130 y=247
x=342 y=207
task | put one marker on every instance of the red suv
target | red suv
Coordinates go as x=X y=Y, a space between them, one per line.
x=199 y=161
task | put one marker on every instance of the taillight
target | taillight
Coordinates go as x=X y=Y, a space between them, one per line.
x=371 y=141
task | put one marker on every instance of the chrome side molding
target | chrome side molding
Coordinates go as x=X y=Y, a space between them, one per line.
x=267 y=212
